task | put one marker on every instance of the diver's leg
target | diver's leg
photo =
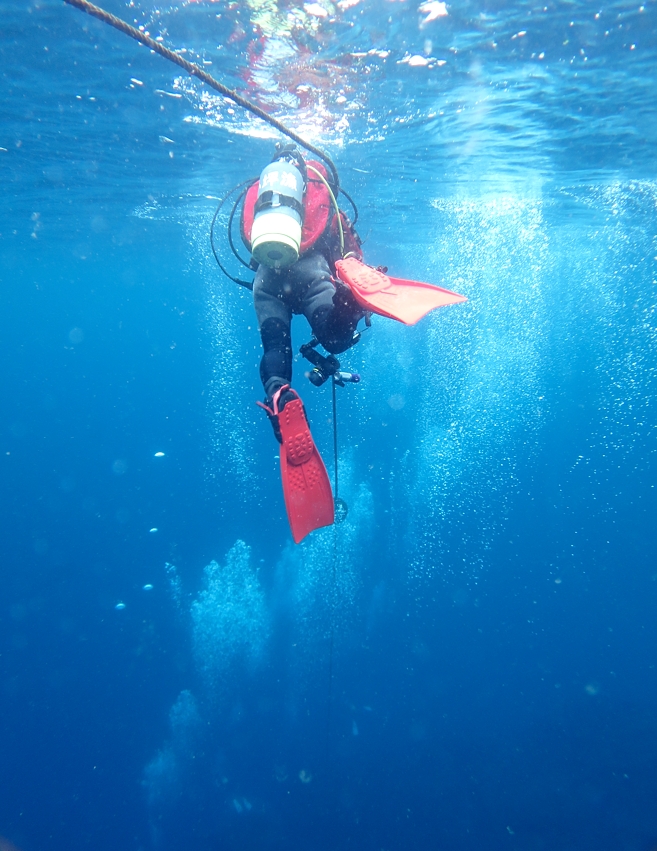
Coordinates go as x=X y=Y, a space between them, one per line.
x=331 y=309
x=274 y=318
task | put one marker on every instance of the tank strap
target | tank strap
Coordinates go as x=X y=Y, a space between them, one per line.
x=266 y=201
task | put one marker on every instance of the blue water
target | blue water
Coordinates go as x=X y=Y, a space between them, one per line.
x=468 y=662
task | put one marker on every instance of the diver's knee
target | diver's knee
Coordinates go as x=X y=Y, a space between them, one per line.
x=275 y=334
x=335 y=337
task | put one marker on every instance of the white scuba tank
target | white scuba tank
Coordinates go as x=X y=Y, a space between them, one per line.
x=276 y=232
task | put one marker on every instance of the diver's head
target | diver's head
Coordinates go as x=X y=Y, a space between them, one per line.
x=289 y=152
x=285 y=149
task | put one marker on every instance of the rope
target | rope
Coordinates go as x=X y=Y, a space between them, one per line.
x=197 y=71
x=334 y=559
x=329 y=696
x=335 y=442
x=329 y=714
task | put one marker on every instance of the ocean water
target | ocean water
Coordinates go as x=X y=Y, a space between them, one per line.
x=467 y=662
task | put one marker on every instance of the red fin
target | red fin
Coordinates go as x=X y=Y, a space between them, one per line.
x=306 y=485
x=396 y=298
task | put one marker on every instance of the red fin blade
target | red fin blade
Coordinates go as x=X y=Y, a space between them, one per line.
x=396 y=298
x=306 y=485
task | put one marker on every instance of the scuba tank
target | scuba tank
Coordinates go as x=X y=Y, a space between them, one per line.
x=276 y=232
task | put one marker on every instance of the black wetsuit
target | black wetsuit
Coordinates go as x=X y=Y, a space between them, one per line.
x=305 y=288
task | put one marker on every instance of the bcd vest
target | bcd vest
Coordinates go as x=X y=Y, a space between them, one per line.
x=319 y=228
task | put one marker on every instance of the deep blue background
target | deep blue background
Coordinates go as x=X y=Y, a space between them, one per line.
x=491 y=682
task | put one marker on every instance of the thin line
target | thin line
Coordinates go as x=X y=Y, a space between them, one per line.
x=335 y=441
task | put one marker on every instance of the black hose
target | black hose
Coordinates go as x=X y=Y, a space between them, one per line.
x=230 y=224
x=353 y=204
x=247 y=284
x=197 y=71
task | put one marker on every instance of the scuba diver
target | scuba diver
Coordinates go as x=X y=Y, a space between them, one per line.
x=308 y=260
x=293 y=233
